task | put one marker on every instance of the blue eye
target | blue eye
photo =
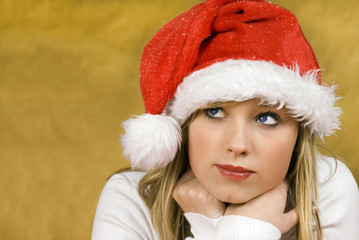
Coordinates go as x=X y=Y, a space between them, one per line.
x=214 y=113
x=268 y=119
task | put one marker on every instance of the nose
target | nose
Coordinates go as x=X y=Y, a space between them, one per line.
x=239 y=139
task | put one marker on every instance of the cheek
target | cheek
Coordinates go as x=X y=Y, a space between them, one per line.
x=202 y=145
x=281 y=154
x=196 y=145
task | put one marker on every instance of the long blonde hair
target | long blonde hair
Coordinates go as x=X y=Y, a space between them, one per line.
x=156 y=187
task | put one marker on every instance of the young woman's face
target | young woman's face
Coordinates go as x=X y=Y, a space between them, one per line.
x=241 y=150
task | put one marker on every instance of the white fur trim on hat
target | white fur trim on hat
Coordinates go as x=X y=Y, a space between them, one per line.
x=240 y=80
x=150 y=141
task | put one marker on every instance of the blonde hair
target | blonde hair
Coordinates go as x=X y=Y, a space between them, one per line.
x=302 y=176
x=156 y=187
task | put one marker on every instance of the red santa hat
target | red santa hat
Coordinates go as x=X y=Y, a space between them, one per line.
x=224 y=50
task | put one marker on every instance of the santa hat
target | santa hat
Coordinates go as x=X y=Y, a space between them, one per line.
x=224 y=50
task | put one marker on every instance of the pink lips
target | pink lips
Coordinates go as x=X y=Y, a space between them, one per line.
x=234 y=172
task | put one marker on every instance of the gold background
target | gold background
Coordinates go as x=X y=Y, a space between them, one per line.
x=69 y=76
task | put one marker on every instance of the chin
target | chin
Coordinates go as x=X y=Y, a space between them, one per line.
x=235 y=199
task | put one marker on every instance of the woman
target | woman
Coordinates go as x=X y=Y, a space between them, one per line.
x=226 y=149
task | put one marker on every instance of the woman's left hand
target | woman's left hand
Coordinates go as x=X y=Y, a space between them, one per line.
x=268 y=207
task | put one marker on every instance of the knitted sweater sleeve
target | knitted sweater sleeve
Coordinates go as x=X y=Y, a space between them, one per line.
x=230 y=228
x=338 y=205
x=121 y=214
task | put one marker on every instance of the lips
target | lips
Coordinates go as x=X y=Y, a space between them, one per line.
x=234 y=172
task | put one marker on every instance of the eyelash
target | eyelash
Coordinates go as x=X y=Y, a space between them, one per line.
x=273 y=115
x=270 y=113
x=206 y=114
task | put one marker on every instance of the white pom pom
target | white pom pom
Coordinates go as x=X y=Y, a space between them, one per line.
x=150 y=141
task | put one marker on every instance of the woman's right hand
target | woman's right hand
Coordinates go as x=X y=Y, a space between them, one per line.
x=191 y=196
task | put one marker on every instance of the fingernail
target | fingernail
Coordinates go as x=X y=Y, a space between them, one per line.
x=315 y=209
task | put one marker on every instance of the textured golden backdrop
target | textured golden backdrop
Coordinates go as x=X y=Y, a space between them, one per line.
x=69 y=76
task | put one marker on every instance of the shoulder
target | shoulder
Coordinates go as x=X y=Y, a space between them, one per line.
x=333 y=172
x=328 y=168
x=121 y=213
x=335 y=177
x=338 y=199
x=121 y=191
x=126 y=179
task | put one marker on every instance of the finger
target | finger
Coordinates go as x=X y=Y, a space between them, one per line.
x=284 y=186
x=282 y=193
x=188 y=175
x=184 y=185
x=315 y=209
x=291 y=219
x=279 y=194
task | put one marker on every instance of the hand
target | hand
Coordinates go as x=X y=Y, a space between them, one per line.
x=191 y=196
x=268 y=207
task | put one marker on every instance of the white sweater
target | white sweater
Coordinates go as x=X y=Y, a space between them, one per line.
x=121 y=213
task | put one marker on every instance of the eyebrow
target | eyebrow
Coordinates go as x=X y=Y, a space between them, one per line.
x=264 y=104
x=216 y=104
x=227 y=103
